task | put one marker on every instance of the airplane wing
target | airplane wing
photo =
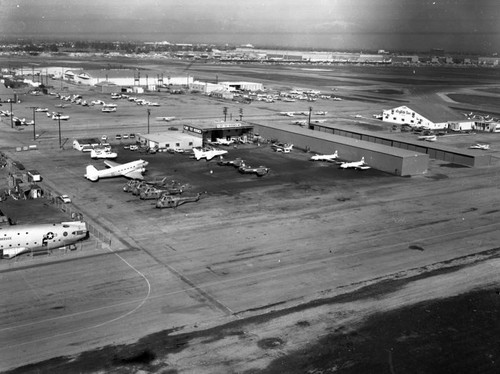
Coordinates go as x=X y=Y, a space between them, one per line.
x=111 y=164
x=363 y=167
x=134 y=174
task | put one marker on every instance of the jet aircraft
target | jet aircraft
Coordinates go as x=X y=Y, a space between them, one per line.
x=329 y=158
x=208 y=154
x=358 y=165
x=133 y=170
x=20 y=239
x=289 y=114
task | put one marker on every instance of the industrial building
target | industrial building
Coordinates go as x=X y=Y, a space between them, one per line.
x=125 y=78
x=428 y=116
x=211 y=131
x=169 y=139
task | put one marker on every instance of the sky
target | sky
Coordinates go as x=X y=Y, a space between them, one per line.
x=468 y=26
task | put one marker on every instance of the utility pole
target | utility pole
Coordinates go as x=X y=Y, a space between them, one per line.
x=34 y=131
x=11 y=115
x=224 y=110
x=149 y=113
x=58 y=115
x=310 y=109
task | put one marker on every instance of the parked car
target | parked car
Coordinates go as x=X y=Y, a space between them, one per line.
x=65 y=199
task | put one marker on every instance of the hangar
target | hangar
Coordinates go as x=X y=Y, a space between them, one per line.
x=433 y=149
x=211 y=131
x=170 y=139
x=427 y=116
x=397 y=161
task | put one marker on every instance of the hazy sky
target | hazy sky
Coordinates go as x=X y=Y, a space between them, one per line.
x=454 y=25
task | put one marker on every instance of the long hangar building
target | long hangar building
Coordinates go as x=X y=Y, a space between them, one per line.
x=404 y=162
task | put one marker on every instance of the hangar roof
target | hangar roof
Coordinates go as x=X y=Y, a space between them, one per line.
x=221 y=125
x=167 y=136
x=436 y=113
x=396 y=138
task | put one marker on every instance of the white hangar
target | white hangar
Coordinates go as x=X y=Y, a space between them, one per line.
x=428 y=116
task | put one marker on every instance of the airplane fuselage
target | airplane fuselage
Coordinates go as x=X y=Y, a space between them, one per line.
x=18 y=239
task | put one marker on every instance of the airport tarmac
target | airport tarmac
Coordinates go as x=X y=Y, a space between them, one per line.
x=257 y=269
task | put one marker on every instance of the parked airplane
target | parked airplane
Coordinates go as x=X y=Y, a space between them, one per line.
x=480 y=146
x=280 y=147
x=133 y=169
x=102 y=153
x=222 y=141
x=299 y=123
x=61 y=117
x=289 y=114
x=358 y=165
x=208 y=154
x=166 y=119
x=18 y=239
x=320 y=113
x=329 y=158
x=107 y=109
x=428 y=138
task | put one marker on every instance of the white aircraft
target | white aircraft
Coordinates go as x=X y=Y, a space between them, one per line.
x=280 y=147
x=166 y=119
x=61 y=117
x=208 y=154
x=102 y=153
x=320 y=113
x=222 y=141
x=131 y=170
x=288 y=114
x=20 y=239
x=358 y=165
x=480 y=146
x=329 y=158
x=108 y=109
x=428 y=138
x=299 y=123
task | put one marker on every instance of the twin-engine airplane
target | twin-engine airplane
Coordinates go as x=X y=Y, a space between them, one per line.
x=102 y=153
x=131 y=170
x=480 y=146
x=208 y=154
x=329 y=158
x=358 y=165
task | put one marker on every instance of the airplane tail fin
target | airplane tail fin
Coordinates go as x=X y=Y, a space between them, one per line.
x=92 y=173
x=363 y=159
x=197 y=153
x=336 y=154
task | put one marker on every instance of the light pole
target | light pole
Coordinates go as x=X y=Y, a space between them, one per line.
x=310 y=109
x=34 y=131
x=149 y=113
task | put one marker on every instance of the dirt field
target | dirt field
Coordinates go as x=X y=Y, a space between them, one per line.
x=308 y=269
